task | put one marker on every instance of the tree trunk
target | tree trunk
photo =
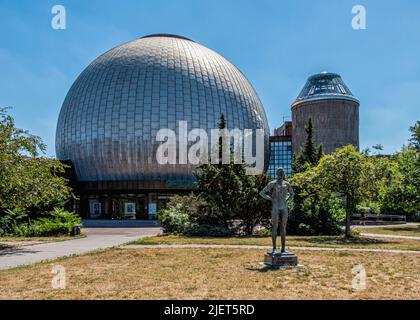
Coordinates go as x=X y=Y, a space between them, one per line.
x=347 y=233
x=348 y=215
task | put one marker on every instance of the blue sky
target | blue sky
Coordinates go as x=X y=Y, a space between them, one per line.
x=276 y=44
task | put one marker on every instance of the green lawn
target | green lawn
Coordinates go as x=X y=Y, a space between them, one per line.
x=301 y=241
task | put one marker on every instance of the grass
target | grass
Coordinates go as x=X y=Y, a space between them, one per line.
x=299 y=241
x=215 y=274
x=400 y=230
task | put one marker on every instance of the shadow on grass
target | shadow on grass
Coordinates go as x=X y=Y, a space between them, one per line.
x=397 y=230
x=266 y=268
x=341 y=240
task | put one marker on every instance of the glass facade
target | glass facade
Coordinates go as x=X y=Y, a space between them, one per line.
x=280 y=155
x=123 y=205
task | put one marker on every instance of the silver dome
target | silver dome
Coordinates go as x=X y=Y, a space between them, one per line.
x=109 y=119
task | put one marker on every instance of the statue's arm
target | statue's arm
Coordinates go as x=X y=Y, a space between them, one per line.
x=264 y=192
x=291 y=192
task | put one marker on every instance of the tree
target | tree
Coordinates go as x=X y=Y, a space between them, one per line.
x=255 y=210
x=315 y=211
x=346 y=173
x=415 y=136
x=402 y=195
x=230 y=194
x=378 y=147
x=310 y=153
x=27 y=181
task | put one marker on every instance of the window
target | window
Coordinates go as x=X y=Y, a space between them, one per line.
x=130 y=207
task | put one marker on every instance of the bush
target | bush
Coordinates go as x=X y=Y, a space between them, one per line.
x=10 y=222
x=44 y=227
x=55 y=223
x=209 y=231
x=173 y=220
x=316 y=215
x=192 y=205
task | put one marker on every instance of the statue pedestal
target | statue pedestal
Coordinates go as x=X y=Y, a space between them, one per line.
x=278 y=260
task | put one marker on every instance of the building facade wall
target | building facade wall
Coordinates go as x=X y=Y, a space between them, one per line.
x=335 y=123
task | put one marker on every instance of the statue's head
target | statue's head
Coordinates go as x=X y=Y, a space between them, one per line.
x=280 y=173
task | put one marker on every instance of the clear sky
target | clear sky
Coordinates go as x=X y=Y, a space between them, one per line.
x=276 y=44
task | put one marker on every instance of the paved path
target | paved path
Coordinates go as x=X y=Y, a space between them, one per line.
x=233 y=246
x=393 y=236
x=395 y=225
x=97 y=238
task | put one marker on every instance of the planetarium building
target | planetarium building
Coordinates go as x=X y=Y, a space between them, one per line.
x=110 y=117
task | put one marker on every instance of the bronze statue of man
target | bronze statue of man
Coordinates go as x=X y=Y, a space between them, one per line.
x=279 y=192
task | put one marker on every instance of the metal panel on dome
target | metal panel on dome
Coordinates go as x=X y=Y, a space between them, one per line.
x=111 y=114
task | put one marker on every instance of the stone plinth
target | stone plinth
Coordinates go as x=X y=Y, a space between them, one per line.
x=278 y=259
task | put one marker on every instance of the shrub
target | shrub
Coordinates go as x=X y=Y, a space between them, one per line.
x=316 y=215
x=209 y=231
x=55 y=223
x=192 y=205
x=44 y=227
x=10 y=222
x=173 y=220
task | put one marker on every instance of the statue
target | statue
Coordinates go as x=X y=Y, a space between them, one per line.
x=279 y=192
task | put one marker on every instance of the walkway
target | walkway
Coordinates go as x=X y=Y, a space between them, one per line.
x=231 y=246
x=392 y=236
x=357 y=226
x=97 y=238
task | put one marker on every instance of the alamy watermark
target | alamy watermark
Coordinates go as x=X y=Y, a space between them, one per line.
x=58 y=21
x=359 y=20
x=359 y=277
x=58 y=282
x=236 y=143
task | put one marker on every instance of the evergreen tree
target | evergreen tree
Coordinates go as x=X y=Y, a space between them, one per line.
x=309 y=150
x=230 y=194
x=310 y=154
x=415 y=136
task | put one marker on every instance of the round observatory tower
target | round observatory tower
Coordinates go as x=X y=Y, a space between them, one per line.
x=333 y=109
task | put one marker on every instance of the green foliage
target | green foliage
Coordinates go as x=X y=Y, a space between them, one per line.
x=191 y=204
x=402 y=196
x=314 y=211
x=209 y=231
x=415 y=136
x=346 y=173
x=27 y=182
x=368 y=207
x=255 y=209
x=310 y=154
x=55 y=223
x=173 y=220
x=228 y=193
x=10 y=222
